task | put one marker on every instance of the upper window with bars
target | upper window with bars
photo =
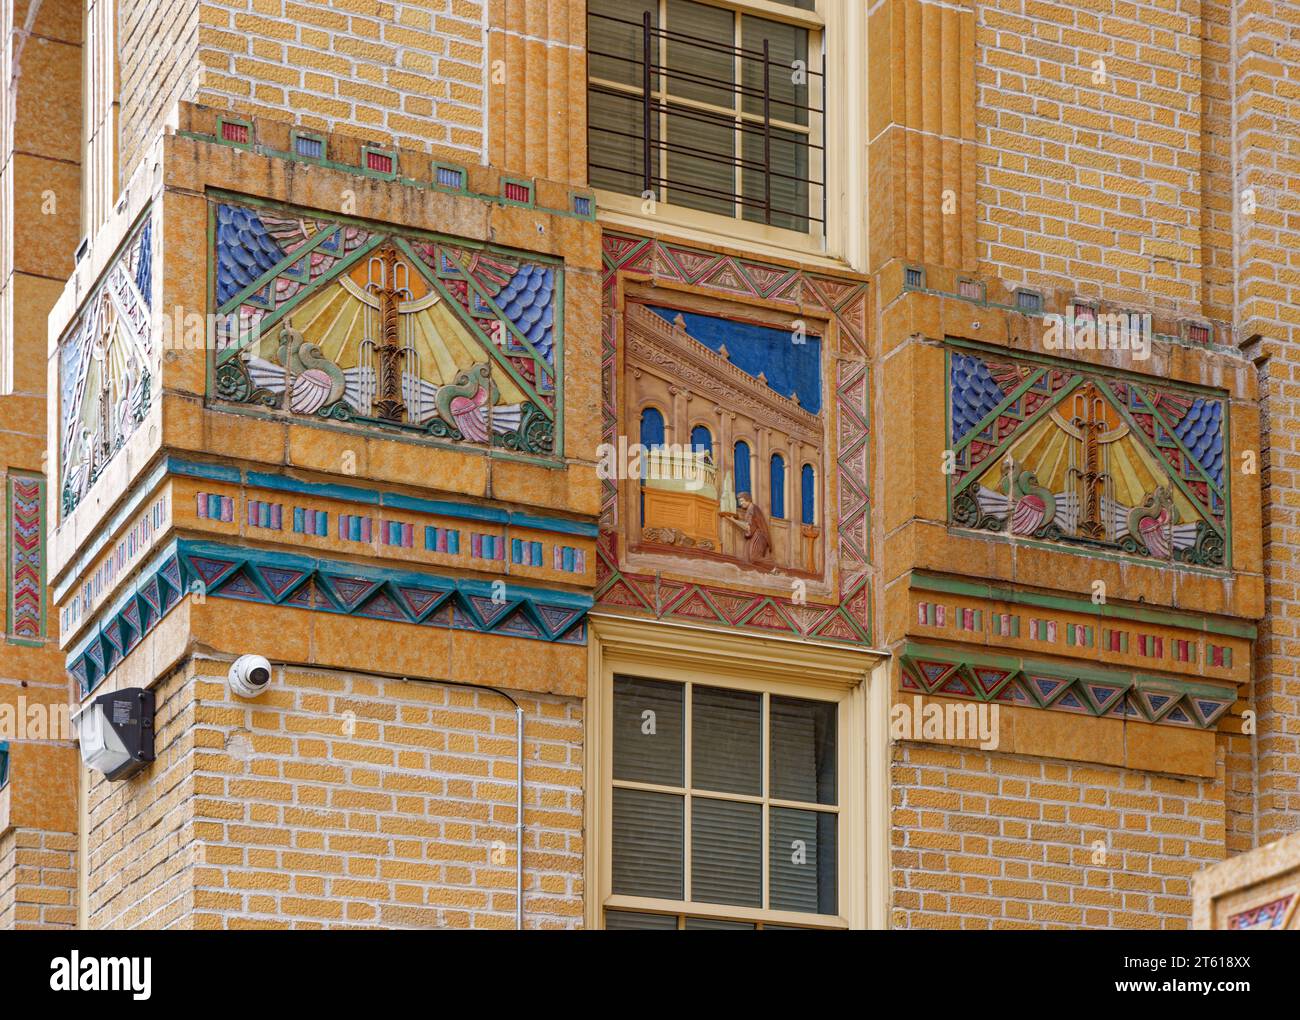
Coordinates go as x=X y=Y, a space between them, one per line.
x=712 y=108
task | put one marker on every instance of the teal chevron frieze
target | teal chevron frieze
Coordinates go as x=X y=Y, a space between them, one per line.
x=1061 y=687
x=217 y=570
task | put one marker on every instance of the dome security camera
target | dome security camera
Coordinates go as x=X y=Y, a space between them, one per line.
x=249 y=675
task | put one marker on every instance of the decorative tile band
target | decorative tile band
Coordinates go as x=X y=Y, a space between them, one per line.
x=1082 y=605
x=529 y=554
x=25 y=511
x=1062 y=687
x=1167 y=648
x=369 y=497
x=567 y=558
x=486 y=547
x=382 y=163
x=212 y=507
x=123 y=556
x=354 y=528
x=1219 y=655
x=265 y=515
x=330 y=586
x=307 y=521
x=443 y=540
x=399 y=534
x=1266 y=917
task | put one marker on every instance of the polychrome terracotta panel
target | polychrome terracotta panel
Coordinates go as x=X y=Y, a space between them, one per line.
x=1061 y=453
x=347 y=322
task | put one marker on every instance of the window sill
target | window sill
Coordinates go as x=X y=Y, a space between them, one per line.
x=623 y=211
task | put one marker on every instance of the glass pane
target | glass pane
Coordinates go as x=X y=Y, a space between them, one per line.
x=616 y=39
x=803 y=861
x=726 y=740
x=700 y=162
x=631 y=920
x=615 y=143
x=713 y=924
x=726 y=852
x=789 y=178
x=648 y=741
x=804 y=743
x=787 y=69
x=648 y=844
x=700 y=53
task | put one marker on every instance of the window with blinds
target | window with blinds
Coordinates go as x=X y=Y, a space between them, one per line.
x=708 y=108
x=722 y=798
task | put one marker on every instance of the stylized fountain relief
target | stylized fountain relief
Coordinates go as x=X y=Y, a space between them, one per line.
x=325 y=320
x=1055 y=453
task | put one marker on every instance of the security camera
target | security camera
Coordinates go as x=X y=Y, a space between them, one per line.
x=249 y=675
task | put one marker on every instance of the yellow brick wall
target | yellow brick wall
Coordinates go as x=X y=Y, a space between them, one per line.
x=337 y=799
x=156 y=67
x=1091 y=186
x=412 y=74
x=1266 y=84
x=138 y=833
x=38 y=878
x=984 y=840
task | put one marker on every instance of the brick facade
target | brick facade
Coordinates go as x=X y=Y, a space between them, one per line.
x=1004 y=841
x=1090 y=134
x=38 y=879
x=342 y=800
x=1138 y=155
x=410 y=72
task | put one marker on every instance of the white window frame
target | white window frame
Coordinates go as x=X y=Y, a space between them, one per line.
x=855 y=678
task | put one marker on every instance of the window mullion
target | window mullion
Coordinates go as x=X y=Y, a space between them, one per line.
x=688 y=778
x=661 y=185
x=764 y=785
x=738 y=133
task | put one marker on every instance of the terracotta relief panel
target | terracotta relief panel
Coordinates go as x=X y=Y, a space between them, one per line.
x=357 y=324
x=735 y=429
x=1060 y=452
x=108 y=364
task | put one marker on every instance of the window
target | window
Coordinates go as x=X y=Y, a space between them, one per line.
x=778 y=487
x=652 y=428
x=652 y=438
x=725 y=796
x=731 y=786
x=702 y=440
x=710 y=108
x=742 y=482
x=808 y=495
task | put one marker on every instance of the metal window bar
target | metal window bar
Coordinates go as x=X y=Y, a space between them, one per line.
x=660 y=107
